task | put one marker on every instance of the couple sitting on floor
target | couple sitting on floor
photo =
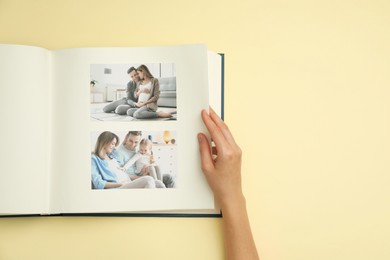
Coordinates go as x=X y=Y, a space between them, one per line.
x=125 y=167
x=143 y=92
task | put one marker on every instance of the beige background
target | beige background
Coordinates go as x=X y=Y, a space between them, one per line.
x=307 y=98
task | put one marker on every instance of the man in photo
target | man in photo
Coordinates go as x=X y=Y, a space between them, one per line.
x=125 y=155
x=121 y=106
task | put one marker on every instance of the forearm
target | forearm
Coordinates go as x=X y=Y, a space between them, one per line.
x=130 y=162
x=222 y=168
x=112 y=185
x=136 y=92
x=130 y=90
x=239 y=241
x=151 y=100
x=156 y=93
x=134 y=177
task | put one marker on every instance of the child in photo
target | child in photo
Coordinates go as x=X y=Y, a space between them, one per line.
x=145 y=164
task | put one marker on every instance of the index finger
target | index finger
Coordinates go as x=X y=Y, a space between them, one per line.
x=214 y=130
x=222 y=126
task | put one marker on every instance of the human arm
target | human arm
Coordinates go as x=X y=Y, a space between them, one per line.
x=139 y=92
x=136 y=89
x=131 y=99
x=224 y=177
x=134 y=177
x=145 y=170
x=131 y=162
x=97 y=179
x=130 y=89
x=110 y=185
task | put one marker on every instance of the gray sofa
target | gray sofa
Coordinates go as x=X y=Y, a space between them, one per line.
x=167 y=92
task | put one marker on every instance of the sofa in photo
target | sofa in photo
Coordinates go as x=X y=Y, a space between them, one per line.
x=167 y=92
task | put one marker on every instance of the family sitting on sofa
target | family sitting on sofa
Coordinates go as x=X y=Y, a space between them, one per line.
x=129 y=166
x=143 y=96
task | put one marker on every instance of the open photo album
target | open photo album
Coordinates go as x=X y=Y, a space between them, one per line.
x=106 y=131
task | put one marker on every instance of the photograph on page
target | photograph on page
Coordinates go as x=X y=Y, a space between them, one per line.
x=133 y=92
x=133 y=159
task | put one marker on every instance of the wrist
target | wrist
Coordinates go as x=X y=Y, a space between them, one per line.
x=232 y=203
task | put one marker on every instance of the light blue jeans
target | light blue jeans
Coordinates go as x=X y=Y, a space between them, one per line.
x=141 y=113
x=119 y=106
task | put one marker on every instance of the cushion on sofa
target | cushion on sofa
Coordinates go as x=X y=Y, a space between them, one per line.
x=167 y=92
x=167 y=84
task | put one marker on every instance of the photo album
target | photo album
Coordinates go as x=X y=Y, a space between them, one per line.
x=106 y=131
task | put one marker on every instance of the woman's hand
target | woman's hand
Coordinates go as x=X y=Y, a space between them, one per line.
x=222 y=167
x=146 y=91
x=140 y=104
x=144 y=170
x=221 y=164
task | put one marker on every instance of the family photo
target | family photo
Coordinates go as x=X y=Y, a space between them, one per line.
x=131 y=92
x=133 y=159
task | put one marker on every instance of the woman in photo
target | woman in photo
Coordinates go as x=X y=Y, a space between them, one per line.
x=105 y=171
x=148 y=93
